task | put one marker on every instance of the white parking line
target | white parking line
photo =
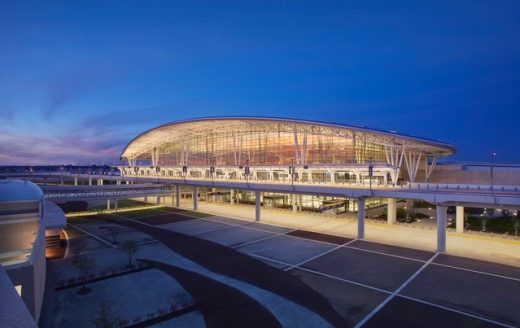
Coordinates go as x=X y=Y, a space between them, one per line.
x=391 y=296
x=319 y=255
x=386 y=254
x=93 y=236
x=476 y=271
x=457 y=311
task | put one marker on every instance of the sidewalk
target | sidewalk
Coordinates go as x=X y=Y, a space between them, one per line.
x=504 y=251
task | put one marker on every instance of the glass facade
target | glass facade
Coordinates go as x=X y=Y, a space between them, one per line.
x=276 y=142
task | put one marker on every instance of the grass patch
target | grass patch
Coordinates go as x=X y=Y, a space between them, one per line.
x=140 y=213
x=188 y=212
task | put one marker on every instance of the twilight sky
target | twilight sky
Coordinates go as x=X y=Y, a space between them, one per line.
x=79 y=79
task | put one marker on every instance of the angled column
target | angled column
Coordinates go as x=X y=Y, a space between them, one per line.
x=257 y=205
x=361 y=218
x=459 y=219
x=391 y=213
x=441 y=228
x=195 y=197
x=177 y=195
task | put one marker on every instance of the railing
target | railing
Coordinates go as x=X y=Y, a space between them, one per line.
x=109 y=193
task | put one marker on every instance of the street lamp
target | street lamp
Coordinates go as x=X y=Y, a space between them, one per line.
x=492 y=169
x=291 y=172
x=370 y=173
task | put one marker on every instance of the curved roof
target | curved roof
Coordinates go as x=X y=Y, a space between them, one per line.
x=170 y=131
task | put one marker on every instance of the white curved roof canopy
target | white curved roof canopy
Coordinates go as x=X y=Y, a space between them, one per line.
x=141 y=146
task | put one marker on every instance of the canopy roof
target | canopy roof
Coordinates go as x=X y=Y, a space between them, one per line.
x=169 y=132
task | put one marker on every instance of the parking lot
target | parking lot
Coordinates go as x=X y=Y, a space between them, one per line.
x=368 y=284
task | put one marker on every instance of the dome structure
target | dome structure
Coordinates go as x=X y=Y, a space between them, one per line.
x=269 y=141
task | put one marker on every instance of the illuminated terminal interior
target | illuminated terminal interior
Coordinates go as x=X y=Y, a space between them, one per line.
x=275 y=150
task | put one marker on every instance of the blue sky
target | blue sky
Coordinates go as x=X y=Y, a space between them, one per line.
x=79 y=79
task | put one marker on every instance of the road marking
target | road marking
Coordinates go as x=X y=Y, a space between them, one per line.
x=396 y=292
x=319 y=255
x=476 y=271
x=457 y=311
x=382 y=253
x=94 y=236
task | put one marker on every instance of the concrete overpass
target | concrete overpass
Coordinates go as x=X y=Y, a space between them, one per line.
x=442 y=195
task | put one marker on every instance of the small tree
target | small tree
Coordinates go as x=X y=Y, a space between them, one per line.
x=483 y=222
x=105 y=317
x=516 y=224
x=85 y=266
x=131 y=247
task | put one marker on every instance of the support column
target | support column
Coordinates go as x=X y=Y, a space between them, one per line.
x=195 y=197
x=300 y=203
x=391 y=213
x=231 y=196
x=257 y=205
x=177 y=196
x=293 y=201
x=158 y=199
x=115 y=204
x=146 y=199
x=118 y=182
x=75 y=181
x=441 y=228
x=108 y=204
x=90 y=181
x=361 y=218
x=459 y=219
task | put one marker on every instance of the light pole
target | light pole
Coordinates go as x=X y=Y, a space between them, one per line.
x=291 y=171
x=370 y=173
x=492 y=169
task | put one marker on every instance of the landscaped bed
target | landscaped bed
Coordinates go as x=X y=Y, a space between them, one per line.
x=133 y=298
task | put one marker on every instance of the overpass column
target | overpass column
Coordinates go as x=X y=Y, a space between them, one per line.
x=459 y=219
x=441 y=228
x=75 y=181
x=177 y=195
x=361 y=218
x=391 y=212
x=108 y=204
x=257 y=205
x=195 y=196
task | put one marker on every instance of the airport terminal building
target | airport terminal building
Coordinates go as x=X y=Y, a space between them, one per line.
x=275 y=150
x=272 y=147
